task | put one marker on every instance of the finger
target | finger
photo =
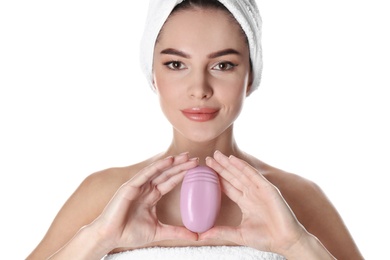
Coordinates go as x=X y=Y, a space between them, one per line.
x=253 y=175
x=178 y=159
x=242 y=170
x=179 y=167
x=151 y=171
x=166 y=182
x=223 y=233
x=226 y=170
x=230 y=191
x=168 y=232
x=233 y=193
x=155 y=173
x=157 y=168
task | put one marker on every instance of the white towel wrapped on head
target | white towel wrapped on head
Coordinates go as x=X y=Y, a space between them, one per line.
x=244 y=11
x=196 y=253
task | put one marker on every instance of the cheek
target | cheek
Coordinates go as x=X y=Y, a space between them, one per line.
x=233 y=94
x=234 y=88
x=161 y=83
x=163 y=80
x=167 y=95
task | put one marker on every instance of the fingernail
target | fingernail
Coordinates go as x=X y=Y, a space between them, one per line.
x=194 y=159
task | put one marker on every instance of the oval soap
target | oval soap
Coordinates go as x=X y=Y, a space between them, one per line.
x=200 y=199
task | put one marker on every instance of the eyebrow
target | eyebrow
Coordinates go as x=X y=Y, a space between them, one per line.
x=213 y=55
x=172 y=51
x=223 y=53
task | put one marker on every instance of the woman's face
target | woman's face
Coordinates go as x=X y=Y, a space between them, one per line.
x=201 y=71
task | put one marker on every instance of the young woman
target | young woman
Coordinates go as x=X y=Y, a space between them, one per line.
x=203 y=58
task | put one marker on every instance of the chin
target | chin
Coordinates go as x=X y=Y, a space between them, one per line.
x=202 y=136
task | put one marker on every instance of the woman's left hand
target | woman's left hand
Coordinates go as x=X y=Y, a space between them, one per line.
x=268 y=223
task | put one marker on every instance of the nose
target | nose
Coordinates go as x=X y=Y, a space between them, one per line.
x=199 y=86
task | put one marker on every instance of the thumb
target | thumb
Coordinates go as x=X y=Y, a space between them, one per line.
x=168 y=232
x=222 y=233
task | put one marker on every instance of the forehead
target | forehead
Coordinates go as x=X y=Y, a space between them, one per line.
x=203 y=28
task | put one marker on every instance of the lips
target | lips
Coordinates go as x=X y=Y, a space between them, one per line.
x=200 y=114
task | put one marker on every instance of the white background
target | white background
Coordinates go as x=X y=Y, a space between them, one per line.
x=74 y=101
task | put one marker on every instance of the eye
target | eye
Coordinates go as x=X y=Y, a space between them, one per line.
x=226 y=65
x=175 y=65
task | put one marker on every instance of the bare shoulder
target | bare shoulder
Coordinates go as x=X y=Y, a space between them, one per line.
x=84 y=205
x=98 y=188
x=103 y=184
x=313 y=209
x=304 y=196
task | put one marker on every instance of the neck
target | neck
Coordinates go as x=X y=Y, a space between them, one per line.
x=224 y=143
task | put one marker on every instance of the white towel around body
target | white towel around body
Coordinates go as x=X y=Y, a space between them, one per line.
x=196 y=253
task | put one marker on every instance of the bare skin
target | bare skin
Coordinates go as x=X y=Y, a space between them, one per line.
x=316 y=214
x=137 y=206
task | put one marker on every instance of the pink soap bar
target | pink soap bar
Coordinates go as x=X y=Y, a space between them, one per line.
x=200 y=199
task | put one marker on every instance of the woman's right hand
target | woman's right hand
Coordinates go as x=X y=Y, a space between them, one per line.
x=129 y=220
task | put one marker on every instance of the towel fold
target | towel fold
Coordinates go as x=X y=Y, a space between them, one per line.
x=196 y=253
x=244 y=11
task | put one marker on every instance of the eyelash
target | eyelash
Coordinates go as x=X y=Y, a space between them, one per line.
x=173 y=65
x=169 y=64
x=230 y=65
